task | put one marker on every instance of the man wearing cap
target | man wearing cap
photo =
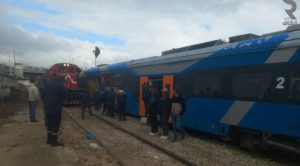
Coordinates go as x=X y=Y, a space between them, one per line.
x=164 y=112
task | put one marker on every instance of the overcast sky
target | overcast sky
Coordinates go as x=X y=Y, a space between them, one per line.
x=44 y=32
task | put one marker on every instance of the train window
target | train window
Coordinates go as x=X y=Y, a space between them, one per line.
x=252 y=86
x=71 y=69
x=295 y=86
x=207 y=85
x=61 y=69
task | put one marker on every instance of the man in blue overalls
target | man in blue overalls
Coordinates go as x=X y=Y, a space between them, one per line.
x=54 y=94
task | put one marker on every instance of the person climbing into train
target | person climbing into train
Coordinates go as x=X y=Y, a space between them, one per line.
x=33 y=97
x=153 y=114
x=122 y=99
x=164 y=112
x=54 y=94
x=146 y=95
x=85 y=103
x=177 y=109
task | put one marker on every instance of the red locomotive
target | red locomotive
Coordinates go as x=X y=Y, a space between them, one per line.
x=69 y=72
x=70 y=75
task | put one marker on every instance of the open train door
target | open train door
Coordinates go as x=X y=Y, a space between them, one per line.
x=142 y=112
x=168 y=82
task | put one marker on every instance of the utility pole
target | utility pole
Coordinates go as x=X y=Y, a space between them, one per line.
x=9 y=63
x=14 y=58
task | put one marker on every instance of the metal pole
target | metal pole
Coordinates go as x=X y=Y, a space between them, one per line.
x=14 y=58
x=9 y=63
x=14 y=69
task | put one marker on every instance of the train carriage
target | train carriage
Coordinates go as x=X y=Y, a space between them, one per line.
x=247 y=88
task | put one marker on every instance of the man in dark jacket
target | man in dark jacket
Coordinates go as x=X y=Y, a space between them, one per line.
x=121 y=97
x=164 y=112
x=110 y=101
x=154 y=111
x=54 y=94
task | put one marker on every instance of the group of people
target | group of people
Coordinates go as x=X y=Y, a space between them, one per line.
x=52 y=93
x=159 y=109
x=107 y=101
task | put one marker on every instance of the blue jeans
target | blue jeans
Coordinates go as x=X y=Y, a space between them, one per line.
x=176 y=126
x=32 y=109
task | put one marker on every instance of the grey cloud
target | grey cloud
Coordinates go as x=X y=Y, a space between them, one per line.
x=23 y=42
x=155 y=6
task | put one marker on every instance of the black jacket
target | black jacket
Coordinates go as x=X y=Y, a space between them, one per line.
x=85 y=98
x=164 y=106
x=121 y=97
x=54 y=93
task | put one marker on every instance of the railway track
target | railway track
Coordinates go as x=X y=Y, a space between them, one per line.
x=107 y=149
x=141 y=139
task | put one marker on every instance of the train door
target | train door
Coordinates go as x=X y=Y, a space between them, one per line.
x=142 y=109
x=168 y=82
x=159 y=83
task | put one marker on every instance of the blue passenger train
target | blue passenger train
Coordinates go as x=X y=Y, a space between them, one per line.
x=246 y=89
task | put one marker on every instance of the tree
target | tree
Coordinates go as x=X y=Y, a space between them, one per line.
x=96 y=52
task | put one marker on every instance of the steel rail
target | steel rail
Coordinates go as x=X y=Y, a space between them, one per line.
x=119 y=161
x=158 y=147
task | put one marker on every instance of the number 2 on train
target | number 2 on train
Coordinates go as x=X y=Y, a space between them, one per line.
x=280 y=82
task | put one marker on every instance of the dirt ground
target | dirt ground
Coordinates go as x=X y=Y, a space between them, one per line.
x=130 y=150
x=24 y=143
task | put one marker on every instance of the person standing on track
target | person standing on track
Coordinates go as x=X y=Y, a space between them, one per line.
x=153 y=114
x=85 y=103
x=164 y=112
x=54 y=94
x=177 y=109
x=33 y=97
x=103 y=96
x=110 y=101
